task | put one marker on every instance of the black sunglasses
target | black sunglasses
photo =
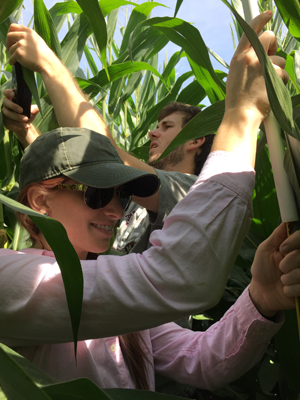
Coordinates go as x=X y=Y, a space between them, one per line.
x=96 y=198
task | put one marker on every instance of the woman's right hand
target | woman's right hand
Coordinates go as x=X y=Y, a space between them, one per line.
x=18 y=123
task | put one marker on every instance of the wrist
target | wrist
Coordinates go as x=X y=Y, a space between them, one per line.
x=238 y=133
x=51 y=70
x=258 y=301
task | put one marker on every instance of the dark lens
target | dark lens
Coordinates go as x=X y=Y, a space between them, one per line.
x=125 y=199
x=98 y=198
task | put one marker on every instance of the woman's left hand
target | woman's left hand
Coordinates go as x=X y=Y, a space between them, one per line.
x=276 y=272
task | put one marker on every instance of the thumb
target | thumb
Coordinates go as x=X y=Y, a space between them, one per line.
x=33 y=113
x=34 y=110
x=277 y=237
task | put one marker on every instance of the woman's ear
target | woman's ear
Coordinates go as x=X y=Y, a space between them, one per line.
x=37 y=200
x=196 y=143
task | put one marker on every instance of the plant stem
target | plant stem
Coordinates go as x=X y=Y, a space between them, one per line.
x=103 y=110
x=16 y=239
x=7 y=152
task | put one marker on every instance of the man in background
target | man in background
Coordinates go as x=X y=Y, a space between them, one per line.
x=177 y=172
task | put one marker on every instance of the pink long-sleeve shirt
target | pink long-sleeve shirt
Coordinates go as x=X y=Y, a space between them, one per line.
x=184 y=272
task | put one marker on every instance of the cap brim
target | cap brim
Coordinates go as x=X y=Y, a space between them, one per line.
x=105 y=175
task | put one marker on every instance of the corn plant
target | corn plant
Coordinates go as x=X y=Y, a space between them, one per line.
x=129 y=88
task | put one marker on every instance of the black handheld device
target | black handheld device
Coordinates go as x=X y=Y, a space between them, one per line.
x=22 y=91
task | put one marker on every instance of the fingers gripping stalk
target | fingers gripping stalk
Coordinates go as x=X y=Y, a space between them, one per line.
x=286 y=200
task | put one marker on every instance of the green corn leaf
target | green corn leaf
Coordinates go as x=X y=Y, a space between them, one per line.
x=58 y=19
x=292 y=167
x=287 y=346
x=7 y=7
x=114 y=94
x=117 y=72
x=66 y=257
x=204 y=123
x=38 y=376
x=112 y=20
x=133 y=82
x=176 y=57
x=106 y=6
x=4 y=26
x=125 y=394
x=81 y=389
x=289 y=67
x=47 y=121
x=279 y=96
x=90 y=60
x=28 y=76
x=139 y=14
x=290 y=13
x=145 y=46
x=142 y=46
x=192 y=94
x=189 y=39
x=45 y=27
x=14 y=381
x=218 y=58
x=94 y=14
x=72 y=46
x=178 y=5
x=265 y=203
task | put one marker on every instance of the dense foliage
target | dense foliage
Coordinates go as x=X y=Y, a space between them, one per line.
x=129 y=91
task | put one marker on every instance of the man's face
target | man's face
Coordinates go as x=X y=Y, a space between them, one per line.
x=167 y=129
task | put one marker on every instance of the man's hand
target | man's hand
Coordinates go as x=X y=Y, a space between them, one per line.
x=18 y=123
x=246 y=103
x=276 y=272
x=29 y=49
x=246 y=89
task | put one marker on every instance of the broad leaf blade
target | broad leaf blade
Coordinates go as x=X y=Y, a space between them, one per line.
x=289 y=66
x=192 y=94
x=178 y=5
x=106 y=6
x=139 y=14
x=118 y=71
x=37 y=375
x=28 y=76
x=72 y=45
x=189 y=39
x=45 y=27
x=290 y=13
x=287 y=346
x=66 y=257
x=94 y=14
x=16 y=384
x=265 y=203
x=81 y=389
x=125 y=394
x=7 y=7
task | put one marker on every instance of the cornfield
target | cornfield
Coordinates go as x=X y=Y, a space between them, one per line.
x=129 y=89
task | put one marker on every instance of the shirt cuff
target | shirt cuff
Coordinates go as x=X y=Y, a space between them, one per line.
x=259 y=328
x=220 y=162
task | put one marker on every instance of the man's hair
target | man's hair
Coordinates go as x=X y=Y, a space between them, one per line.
x=188 y=112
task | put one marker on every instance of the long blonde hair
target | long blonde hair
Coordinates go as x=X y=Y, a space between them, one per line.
x=131 y=344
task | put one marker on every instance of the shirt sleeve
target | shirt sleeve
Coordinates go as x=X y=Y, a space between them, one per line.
x=211 y=359
x=184 y=272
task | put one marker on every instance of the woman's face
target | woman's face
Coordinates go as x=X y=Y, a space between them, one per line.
x=88 y=230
